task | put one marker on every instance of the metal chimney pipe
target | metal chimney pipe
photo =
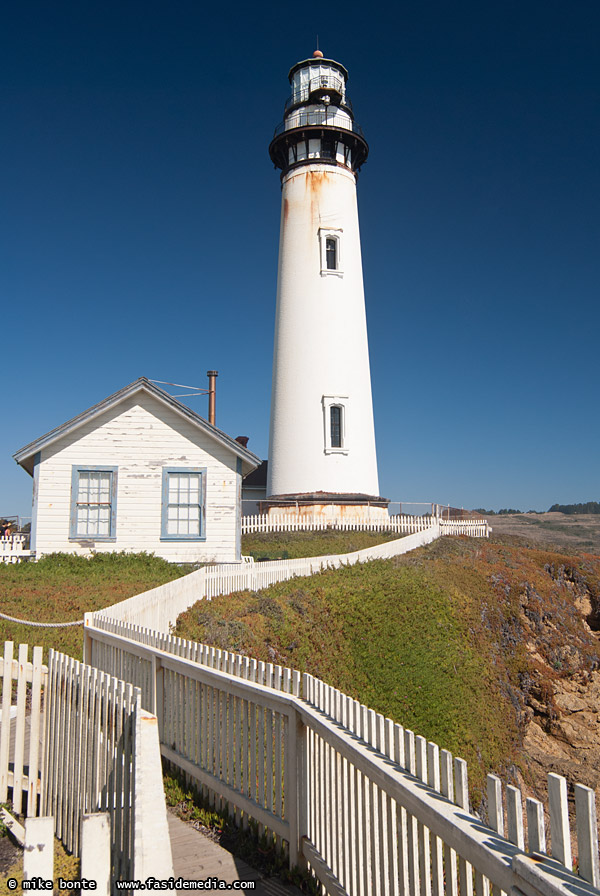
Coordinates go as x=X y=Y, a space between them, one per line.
x=212 y=395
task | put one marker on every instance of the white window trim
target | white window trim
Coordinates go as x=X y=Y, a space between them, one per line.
x=74 y=534
x=330 y=401
x=336 y=234
x=166 y=473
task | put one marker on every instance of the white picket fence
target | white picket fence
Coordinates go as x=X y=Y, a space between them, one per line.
x=12 y=549
x=370 y=808
x=403 y=524
x=96 y=751
x=472 y=528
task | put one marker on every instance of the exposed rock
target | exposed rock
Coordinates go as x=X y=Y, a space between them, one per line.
x=570 y=703
x=571 y=746
x=562 y=691
x=543 y=747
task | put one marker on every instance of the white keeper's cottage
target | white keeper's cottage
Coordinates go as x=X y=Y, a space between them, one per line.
x=139 y=471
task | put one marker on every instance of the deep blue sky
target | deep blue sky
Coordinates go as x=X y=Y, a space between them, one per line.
x=140 y=219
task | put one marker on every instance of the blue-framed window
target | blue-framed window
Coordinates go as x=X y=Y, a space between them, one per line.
x=183 y=503
x=94 y=503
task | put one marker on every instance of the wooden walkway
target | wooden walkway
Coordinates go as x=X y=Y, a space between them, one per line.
x=195 y=857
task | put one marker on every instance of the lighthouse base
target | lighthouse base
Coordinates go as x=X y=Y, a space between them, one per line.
x=327 y=506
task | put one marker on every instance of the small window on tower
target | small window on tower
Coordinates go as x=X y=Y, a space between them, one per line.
x=335 y=408
x=331 y=253
x=335 y=413
x=330 y=242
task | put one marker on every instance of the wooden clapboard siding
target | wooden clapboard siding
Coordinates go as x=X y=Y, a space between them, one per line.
x=139 y=436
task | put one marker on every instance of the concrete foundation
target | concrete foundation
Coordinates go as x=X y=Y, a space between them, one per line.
x=327 y=506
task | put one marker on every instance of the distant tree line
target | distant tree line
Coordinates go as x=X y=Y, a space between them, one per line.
x=589 y=507
x=484 y=512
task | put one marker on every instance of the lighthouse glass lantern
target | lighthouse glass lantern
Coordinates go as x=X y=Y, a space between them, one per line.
x=322 y=456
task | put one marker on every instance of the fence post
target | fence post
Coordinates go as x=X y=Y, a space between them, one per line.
x=152 y=846
x=302 y=778
x=295 y=787
x=559 y=820
x=158 y=678
x=95 y=851
x=38 y=855
x=587 y=834
x=87 y=639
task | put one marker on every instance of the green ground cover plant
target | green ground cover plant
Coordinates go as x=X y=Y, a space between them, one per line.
x=65 y=866
x=62 y=587
x=292 y=545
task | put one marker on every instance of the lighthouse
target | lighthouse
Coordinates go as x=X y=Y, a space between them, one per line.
x=322 y=439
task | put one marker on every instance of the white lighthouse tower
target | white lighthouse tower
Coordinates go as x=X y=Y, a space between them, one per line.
x=322 y=440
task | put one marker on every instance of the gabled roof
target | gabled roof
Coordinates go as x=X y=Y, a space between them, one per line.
x=25 y=456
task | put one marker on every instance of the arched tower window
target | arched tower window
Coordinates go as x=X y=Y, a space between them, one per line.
x=335 y=408
x=331 y=245
x=335 y=418
x=331 y=253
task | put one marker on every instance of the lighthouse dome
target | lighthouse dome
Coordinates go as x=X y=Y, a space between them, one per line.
x=318 y=119
x=316 y=77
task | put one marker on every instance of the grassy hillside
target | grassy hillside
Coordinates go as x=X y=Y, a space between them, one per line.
x=457 y=640
x=62 y=587
x=290 y=545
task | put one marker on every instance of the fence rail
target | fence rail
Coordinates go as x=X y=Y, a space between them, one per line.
x=368 y=805
x=318 y=118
